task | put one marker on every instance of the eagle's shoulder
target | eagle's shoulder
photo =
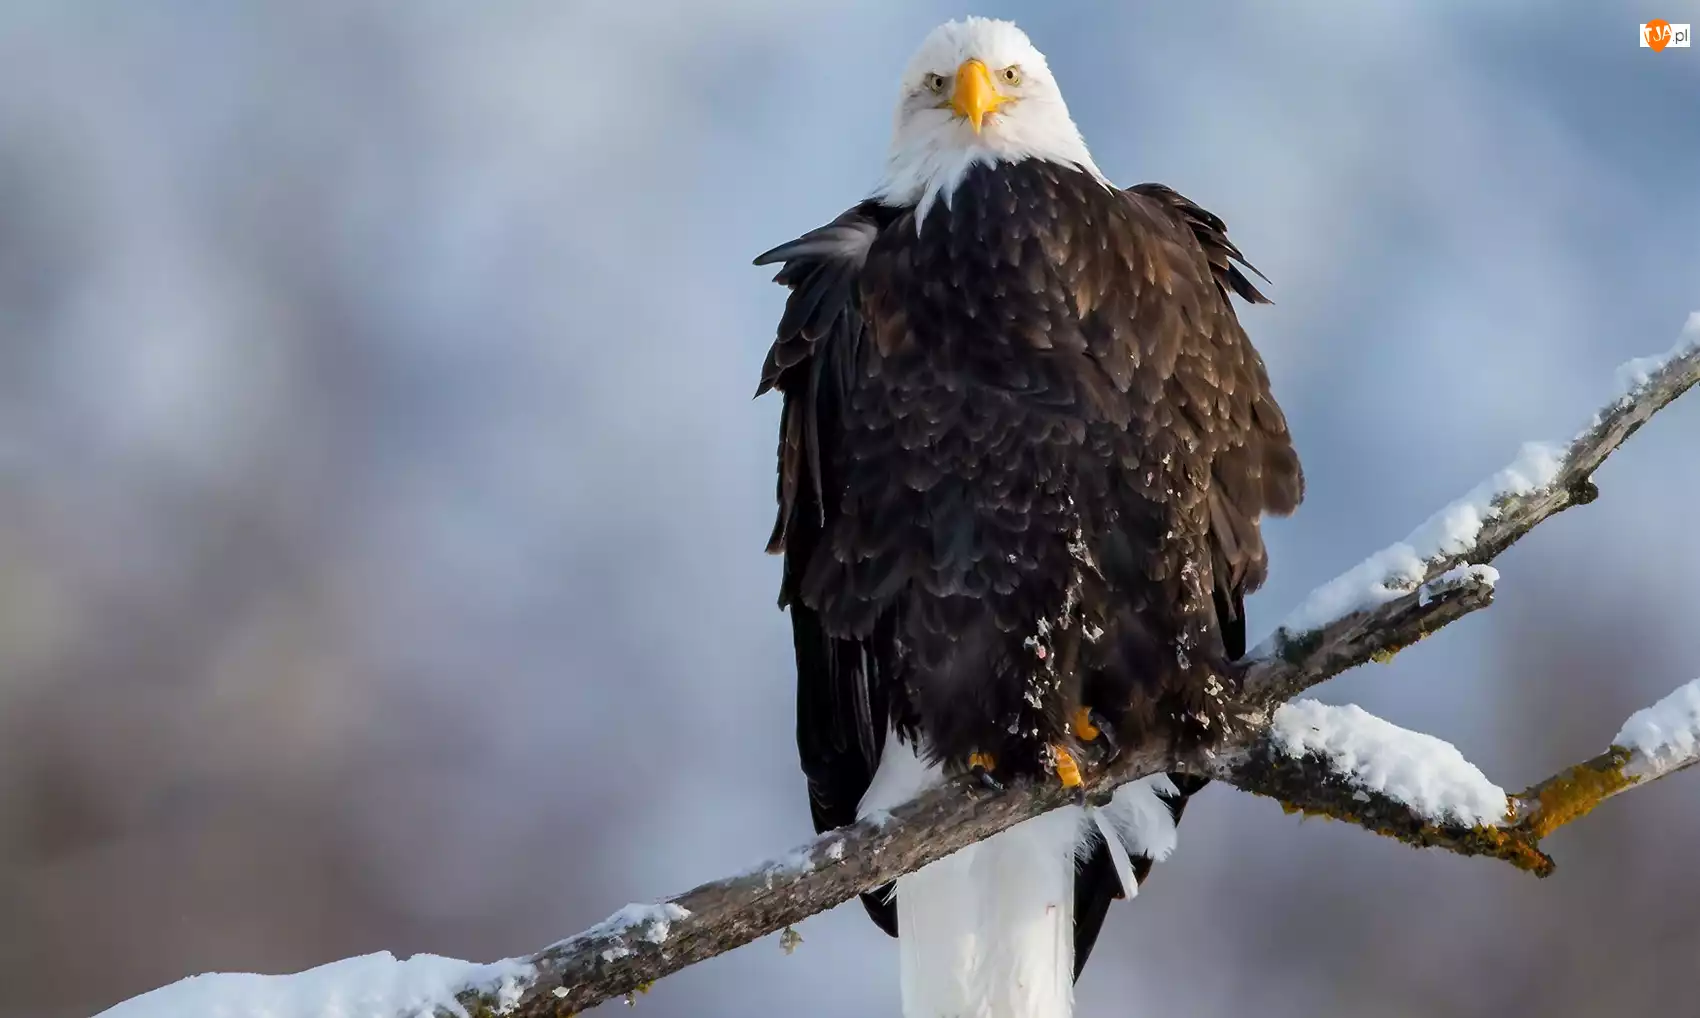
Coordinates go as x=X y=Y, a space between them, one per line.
x=821 y=268
x=1194 y=379
x=1228 y=266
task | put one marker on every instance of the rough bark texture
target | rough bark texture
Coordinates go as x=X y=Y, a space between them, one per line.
x=1287 y=664
x=620 y=957
x=1308 y=785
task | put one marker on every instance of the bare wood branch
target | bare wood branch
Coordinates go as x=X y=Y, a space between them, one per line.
x=1289 y=663
x=621 y=957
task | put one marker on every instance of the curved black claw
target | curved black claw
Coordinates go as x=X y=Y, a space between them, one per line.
x=1106 y=734
x=1096 y=736
x=979 y=773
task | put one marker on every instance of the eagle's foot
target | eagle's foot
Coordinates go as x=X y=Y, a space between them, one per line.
x=1067 y=768
x=981 y=766
x=1092 y=729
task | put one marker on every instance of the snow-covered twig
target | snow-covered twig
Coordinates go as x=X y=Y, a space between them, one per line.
x=1546 y=478
x=1343 y=763
x=369 y=986
x=1393 y=599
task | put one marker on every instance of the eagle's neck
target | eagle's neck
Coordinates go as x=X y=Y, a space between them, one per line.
x=928 y=161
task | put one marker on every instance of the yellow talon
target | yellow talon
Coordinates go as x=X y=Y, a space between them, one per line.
x=982 y=760
x=1083 y=725
x=1068 y=772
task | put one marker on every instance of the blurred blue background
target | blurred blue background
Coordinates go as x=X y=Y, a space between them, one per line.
x=382 y=503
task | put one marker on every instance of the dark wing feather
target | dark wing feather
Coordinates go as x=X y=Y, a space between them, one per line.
x=1252 y=467
x=842 y=695
x=1255 y=471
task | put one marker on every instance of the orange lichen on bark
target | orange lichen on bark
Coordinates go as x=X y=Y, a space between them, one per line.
x=1305 y=812
x=1517 y=846
x=1574 y=793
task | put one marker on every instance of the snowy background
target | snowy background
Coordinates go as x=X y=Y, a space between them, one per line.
x=382 y=503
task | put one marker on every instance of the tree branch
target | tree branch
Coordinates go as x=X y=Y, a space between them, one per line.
x=1543 y=481
x=1398 y=596
x=611 y=959
x=1394 y=598
x=1321 y=784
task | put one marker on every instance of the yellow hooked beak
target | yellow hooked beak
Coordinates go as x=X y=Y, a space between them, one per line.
x=974 y=96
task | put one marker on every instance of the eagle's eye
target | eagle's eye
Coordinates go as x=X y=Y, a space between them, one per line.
x=1011 y=75
x=934 y=82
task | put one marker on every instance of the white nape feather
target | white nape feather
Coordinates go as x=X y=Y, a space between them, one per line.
x=988 y=931
x=932 y=148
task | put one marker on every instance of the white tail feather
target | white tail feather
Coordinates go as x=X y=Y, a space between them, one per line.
x=988 y=931
x=1118 y=853
x=1025 y=879
x=939 y=938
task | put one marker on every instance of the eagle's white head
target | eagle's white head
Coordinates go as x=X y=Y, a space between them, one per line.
x=977 y=91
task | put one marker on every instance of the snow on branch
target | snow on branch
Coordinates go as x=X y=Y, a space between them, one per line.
x=1347 y=764
x=369 y=986
x=1420 y=772
x=1664 y=737
x=1544 y=479
x=1337 y=762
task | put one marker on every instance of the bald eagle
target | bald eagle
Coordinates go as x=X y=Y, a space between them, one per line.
x=1024 y=450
